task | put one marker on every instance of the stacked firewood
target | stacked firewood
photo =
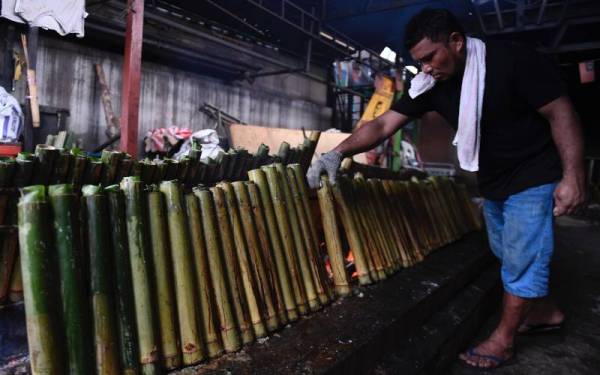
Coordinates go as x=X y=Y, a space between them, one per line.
x=136 y=277
x=390 y=224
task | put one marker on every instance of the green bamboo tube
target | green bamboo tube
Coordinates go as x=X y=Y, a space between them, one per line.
x=298 y=236
x=184 y=165
x=243 y=166
x=267 y=252
x=311 y=252
x=258 y=176
x=232 y=165
x=106 y=338
x=125 y=168
x=232 y=266
x=256 y=263
x=302 y=184
x=140 y=274
x=192 y=173
x=333 y=239
x=62 y=166
x=287 y=239
x=262 y=153
x=77 y=172
x=223 y=159
x=225 y=312
x=284 y=152
x=15 y=291
x=42 y=336
x=201 y=174
x=24 y=173
x=241 y=245
x=189 y=332
x=211 y=338
x=111 y=161
x=66 y=236
x=163 y=282
x=352 y=233
x=44 y=165
x=128 y=349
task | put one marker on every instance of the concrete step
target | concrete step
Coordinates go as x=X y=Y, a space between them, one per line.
x=352 y=336
x=435 y=345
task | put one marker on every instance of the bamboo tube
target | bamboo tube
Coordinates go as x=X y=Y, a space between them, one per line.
x=257 y=263
x=333 y=239
x=172 y=169
x=211 y=338
x=191 y=177
x=241 y=246
x=283 y=221
x=163 y=280
x=111 y=161
x=62 y=200
x=284 y=152
x=262 y=153
x=267 y=252
x=184 y=165
x=284 y=279
x=42 y=336
x=107 y=360
x=93 y=172
x=63 y=164
x=44 y=164
x=300 y=247
x=232 y=266
x=128 y=349
x=15 y=291
x=77 y=172
x=223 y=160
x=125 y=168
x=351 y=228
x=24 y=172
x=189 y=332
x=8 y=255
x=243 y=165
x=227 y=324
x=140 y=271
x=311 y=252
x=147 y=171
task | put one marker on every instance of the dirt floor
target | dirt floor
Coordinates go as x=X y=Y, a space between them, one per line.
x=575 y=283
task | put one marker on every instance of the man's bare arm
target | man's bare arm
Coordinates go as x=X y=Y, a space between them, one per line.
x=372 y=133
x=568 y=137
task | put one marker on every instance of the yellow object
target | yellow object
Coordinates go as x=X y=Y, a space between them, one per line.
x=381 y=100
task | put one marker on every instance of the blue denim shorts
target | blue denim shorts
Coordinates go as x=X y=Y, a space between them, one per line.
x=520 y=231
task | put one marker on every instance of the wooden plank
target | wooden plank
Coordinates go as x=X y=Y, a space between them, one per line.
x=132 y=65
x=112 y=122
x=251 y=136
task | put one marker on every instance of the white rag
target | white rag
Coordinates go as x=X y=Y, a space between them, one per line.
x=62 y=16
x=467 y=137
x=11 y=117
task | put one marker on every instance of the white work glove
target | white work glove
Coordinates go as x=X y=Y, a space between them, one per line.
x=330 y=163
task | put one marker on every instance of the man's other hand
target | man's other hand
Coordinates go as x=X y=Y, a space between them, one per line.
x=329 y=163
x=569 y=196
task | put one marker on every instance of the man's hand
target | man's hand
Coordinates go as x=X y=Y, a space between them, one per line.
x=329 y=163
x=569 y=196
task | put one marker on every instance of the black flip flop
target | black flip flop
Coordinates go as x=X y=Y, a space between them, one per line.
x=530 y=329
x=496 y=361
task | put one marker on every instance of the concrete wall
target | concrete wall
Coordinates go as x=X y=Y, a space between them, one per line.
x=66 y=79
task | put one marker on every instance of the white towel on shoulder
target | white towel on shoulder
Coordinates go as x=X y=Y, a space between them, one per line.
x=467 y=139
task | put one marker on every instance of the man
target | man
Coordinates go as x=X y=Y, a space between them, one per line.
x=528 y=128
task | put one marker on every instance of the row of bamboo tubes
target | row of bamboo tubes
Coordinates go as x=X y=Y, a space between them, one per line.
x=390 y=224
x=141 y=279
x=49 y=165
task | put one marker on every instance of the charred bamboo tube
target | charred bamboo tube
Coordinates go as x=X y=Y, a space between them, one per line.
x=15 y=292
x=284 y=152
x=262 y=153
x=241 y=246
x=62 y=166
x=267 y=252
x=189 y=332
x=125 y=168
x=257 y=264
x=182 y=171
x=223 y=160
x=161 y=265
x=106 y=339
x=300 y=247
x=283 y=221
x=111 y=161
x=140 y=271
x=210 y=334
x=93 y=172
x=227 y=324
x=8 y=253
x=284 y=279
x=309 y=244
x=24 y=172
x=171 y=169
x=42 y=336
x=333 y=239
x=62 y=200
x=77 y=172
x=351 y=229
x=232 y=267
x=44 y=165
x=124 y=291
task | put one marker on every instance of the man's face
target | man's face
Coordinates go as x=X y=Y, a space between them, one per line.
x=441 y=60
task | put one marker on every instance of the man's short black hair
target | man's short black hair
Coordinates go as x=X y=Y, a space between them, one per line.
x=435 y=24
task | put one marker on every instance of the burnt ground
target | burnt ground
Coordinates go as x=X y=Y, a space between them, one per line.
x=575 y=283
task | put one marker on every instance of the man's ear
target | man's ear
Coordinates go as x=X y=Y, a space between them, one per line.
x=456 y=41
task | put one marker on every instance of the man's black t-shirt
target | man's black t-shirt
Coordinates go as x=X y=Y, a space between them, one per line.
x=516 y=149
